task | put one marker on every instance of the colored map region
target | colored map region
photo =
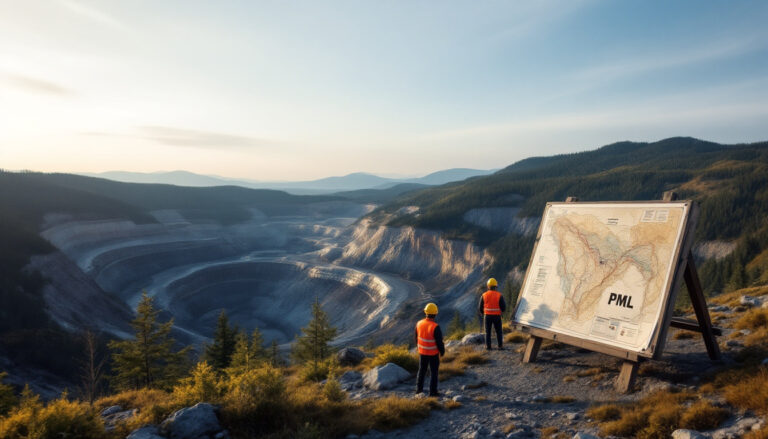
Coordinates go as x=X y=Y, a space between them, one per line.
x=601 y=271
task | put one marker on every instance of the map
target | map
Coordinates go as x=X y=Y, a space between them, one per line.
x=600 y=271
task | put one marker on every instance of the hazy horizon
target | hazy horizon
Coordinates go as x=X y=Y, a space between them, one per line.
x=273 y=91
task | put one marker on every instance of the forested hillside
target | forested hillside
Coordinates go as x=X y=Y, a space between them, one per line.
x=729 y=181
x=27 y=333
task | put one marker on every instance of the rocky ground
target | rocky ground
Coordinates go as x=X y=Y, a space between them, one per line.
x=505 y=398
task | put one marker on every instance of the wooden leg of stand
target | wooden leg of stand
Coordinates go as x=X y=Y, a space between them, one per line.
x=627 y=376
x=700 y=308
x=532 y=349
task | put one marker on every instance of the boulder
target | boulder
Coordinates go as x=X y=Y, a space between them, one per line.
x=385 y=377
x=148 y=432
x=474 y=338
x=687 y=434
x=750 y=301
x=350 y=356
x=572 y=416
x=351 y=380
x=111 y=410
x=192 y=422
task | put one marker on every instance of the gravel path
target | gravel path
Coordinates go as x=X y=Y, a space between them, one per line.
x=517 y=393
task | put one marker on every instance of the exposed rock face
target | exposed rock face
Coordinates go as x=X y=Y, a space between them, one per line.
x=385 y=377
x=714 y=249
x=416 y=254
x=192 y=422
x=502 y=219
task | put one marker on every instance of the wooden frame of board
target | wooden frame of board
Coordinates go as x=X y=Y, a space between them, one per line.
x=684 y=269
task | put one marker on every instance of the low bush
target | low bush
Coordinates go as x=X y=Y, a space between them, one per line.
x=59 y=418
x=602 y=413
x=749 y=392
x=395 y=412
x=399 y=355
x=7 y=397
x=753 y=319
x=655 y=416
x=515 y=337
x=202 y=385
x=703 y=416
x=451 y=404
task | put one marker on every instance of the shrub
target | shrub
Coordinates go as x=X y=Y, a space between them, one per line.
x=608 y=412
x=753 y=319
x=750 y=392
x=202 y=386
x=451 y=404
x=255 y=401
x=399 y=355
x=395 y=412
x=654 y=416
x=60 y=418
x=153 y=406
x=515 y=337
x=332 y=390
x=703 y=416
x=315 y=371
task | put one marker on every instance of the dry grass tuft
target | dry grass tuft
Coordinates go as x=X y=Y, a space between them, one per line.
x=451 y=404
x=589 y=372
x=654 y=416
x=683 y=335
x=754 y=319
x=481 y=398
x=703 y=416
x=602 y=413
x=509 y=428
x=750 y=392
x=515 y=337
x=562 y=399
x=388 y=353
x=548 y=431
x=569 y=378
x=759 y=434
x=455 y=362
x=393 y=412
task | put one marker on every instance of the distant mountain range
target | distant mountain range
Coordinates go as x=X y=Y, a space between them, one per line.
x=351 y=182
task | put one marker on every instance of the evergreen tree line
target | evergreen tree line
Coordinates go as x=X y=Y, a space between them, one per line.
x=150 y=359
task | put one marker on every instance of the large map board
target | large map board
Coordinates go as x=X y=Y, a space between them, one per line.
x=602 y=271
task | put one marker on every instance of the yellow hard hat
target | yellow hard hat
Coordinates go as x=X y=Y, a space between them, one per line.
x=492 y=282
x=431 y=308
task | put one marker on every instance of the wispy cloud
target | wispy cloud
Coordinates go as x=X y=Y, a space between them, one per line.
x=672 y=59
x=93 y=14
x=36 y=85
x=197 y=139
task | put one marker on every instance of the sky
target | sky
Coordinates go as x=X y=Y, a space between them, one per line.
x=296 y=90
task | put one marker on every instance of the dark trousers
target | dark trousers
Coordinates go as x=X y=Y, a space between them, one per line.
x=433 y=363
x=494 y=321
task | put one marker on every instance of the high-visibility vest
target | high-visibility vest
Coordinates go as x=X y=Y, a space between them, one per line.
x=491 y=300
x=425 y=334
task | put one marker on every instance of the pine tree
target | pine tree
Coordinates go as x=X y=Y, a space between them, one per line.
x=92 y=367
x=274 y=355
x=248 y=353
x=7 y=397
x=313 y=345
x=148 y=359
x=219 y=354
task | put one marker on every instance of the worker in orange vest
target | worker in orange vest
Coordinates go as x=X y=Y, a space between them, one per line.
x=491 y=306
x=429 y=340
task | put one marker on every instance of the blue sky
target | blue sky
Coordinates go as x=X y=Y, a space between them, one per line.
x=299 y=90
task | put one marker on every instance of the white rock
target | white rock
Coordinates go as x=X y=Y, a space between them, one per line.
x=385 y=377
x=765 y=304
x=749 y=301
x=192 y=422
x=474 y=338
x=572 y=416
x=746 y=423
x=460 y=398
x=687 y=434
x=745 y=332
x=111 y=410
x=584 y=435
